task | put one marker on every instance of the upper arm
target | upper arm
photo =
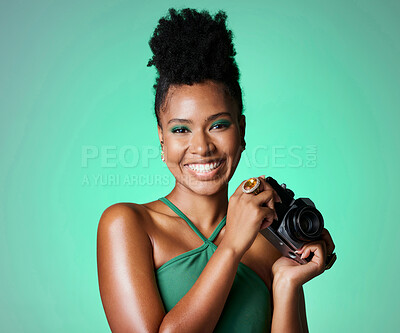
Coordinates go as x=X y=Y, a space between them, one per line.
x=127 y=282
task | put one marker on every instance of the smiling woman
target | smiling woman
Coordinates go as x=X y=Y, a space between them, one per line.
x=201 y=132
x=202 y=267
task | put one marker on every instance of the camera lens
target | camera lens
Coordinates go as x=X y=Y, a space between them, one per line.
x=306 y=224
x=309 y=223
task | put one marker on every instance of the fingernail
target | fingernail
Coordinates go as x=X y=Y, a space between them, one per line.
x=263 y=176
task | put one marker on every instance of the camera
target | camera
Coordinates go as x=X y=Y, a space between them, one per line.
x=299 y=222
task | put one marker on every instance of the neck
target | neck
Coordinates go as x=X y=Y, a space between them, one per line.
x=205 y=211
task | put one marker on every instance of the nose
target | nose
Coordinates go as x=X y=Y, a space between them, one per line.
x=201 y=144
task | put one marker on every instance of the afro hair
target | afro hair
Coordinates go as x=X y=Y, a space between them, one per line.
x=190 y=47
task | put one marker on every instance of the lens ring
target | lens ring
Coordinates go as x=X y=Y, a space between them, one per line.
x=308 y=223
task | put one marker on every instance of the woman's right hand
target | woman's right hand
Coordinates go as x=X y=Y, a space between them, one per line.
x=247 y=215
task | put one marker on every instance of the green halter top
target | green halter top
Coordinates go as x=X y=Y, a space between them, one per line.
x=247 y=308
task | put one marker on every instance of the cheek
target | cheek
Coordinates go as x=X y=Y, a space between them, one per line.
x=230 y=143
x=232 y=147
x=174 y=149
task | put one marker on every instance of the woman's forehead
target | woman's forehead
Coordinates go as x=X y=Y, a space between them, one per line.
x=197 y=102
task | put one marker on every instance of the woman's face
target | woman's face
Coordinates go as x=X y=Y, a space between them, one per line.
x=202 y=136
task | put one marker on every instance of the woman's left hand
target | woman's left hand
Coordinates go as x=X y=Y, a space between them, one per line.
x=298 y=274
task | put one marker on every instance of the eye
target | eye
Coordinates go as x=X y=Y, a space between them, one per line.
x=221 y=124
x=179 y=130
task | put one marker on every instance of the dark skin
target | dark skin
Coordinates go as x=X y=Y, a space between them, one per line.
x=136 y=239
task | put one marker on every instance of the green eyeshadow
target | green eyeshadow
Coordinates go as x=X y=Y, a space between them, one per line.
x=179 y=127
x=222 y=122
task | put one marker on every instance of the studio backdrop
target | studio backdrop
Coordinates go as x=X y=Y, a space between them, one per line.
x=320 y=83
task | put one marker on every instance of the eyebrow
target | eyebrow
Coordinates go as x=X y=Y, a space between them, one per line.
x=214 y=116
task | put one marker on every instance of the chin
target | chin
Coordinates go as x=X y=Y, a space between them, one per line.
x=207 y=191
x=206 y=187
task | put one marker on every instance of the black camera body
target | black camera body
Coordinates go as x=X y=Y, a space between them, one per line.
x=299 y=222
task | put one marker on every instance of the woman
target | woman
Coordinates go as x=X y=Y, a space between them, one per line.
x=193 y=261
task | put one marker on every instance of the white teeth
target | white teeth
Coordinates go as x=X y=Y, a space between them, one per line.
x=204 y=167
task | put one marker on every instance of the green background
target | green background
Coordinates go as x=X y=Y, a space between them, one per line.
x=320 y=78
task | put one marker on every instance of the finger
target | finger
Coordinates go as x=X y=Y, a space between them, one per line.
x=319 y=250
x=265 y=224
x=326 y=237
x=270 y=202
x=265 y=198
x=277 y=197
x=305 y=253
x=265 y=185
x=316 y=265
x=301 y=249
x=239 y=189
x=269 y=216
x=264 y=195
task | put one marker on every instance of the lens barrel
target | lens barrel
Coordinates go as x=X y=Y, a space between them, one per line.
x=305 y=224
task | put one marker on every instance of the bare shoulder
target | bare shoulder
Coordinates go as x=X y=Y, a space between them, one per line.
x=125 y=269
x=122 y=212
x=125 y=216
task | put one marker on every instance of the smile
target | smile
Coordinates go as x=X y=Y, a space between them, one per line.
x=205 y=171
x=204 y=168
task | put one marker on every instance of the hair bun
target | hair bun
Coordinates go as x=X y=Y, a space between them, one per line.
x=190 y=46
